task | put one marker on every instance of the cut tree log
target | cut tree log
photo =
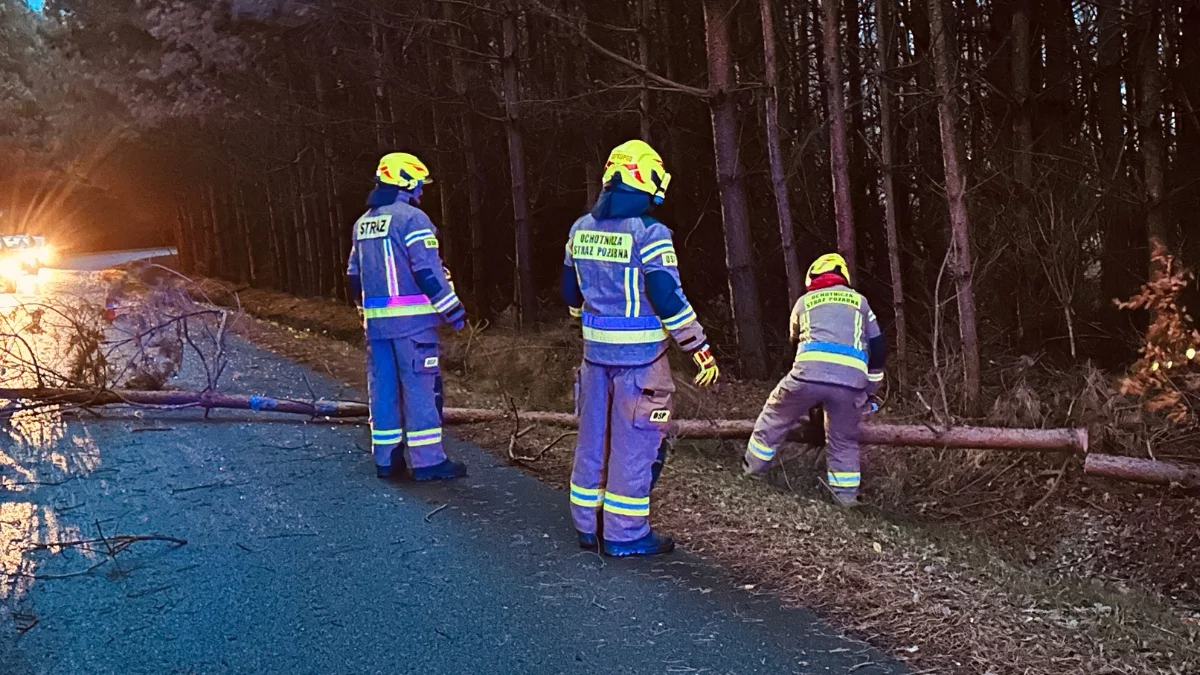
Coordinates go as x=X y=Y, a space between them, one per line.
x=1138 y=470
x=913 y=435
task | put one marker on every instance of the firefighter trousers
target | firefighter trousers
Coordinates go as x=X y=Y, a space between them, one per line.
x=623 y=415
x=788 y=404
x=402 y=378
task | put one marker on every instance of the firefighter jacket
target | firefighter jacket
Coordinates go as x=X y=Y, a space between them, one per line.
x=622 y=273
x=839 y=341
x=404 y=287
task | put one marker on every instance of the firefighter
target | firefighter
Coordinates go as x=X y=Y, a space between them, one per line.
x=621 y=278
x=396 y=273
x=840 y=355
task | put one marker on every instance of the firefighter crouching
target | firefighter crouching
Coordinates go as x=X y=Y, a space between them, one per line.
x=840 y=355
x=397 y=275
x=621 y=278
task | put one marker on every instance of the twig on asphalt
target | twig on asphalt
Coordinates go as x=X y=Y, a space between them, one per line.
x=40 y=482
x=112 y=546
x=288 y=535
x=24 y=622
x=303 y=446
x=434 y=512
x=546 y=448
x=176 y=491
x=122 y=541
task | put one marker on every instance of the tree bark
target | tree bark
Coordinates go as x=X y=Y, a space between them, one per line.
x=779 y=184
x=1022 y=119
x=1139 y=470
x=1150 y=135
x=458 y=77
x=1119 y=278
x=839 y=153
x=644 y=100
x=244 y=216
x=338 y=237
x=956 y=197
x=216 y=252
x=885 y=22
x=743 y=286
x=526 y=298
x=378 y=98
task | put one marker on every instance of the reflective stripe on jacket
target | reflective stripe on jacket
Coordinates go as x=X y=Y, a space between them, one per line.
x=391 y=244
x=611 y=258
x=833 y=327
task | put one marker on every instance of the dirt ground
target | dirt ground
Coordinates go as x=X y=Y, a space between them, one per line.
x=965 y=562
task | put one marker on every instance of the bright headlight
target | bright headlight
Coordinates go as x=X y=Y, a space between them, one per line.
x=10 y=267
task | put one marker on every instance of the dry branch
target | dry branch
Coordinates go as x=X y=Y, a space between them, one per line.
x=983 y=438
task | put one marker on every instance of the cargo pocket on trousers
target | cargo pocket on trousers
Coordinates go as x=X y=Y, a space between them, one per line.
x=654 y=409
x=425 y=358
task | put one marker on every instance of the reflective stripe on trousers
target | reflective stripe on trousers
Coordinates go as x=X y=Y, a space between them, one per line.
x=788 y=404
x=617 y=447
x=403 y=397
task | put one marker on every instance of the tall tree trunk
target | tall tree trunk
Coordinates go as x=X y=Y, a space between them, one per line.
x=244 y=217
x=478 y=278
x=216 y=246
x=783 y=206
x=839 y=152
x=1150 y=135
x=956 y=197
x=738 y=246
x=526 y=298
x=1119 y=279
x=644 y=101
x=885 y=22
x=445 y=188
x=743 y=286
x=1022 y=119
x=338 y=239
x=1021 y=51
x=275 y=239
x=377 y=90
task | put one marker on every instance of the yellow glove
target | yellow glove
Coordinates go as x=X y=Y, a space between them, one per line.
x=576 y=312
x=704 y=360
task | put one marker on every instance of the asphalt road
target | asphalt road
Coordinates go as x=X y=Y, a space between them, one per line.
x=298 y=560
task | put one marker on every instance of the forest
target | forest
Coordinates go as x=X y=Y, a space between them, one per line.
x=1000 y=173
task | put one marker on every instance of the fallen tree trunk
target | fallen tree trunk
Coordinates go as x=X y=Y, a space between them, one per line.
x=1151 y=471
x=982 y=438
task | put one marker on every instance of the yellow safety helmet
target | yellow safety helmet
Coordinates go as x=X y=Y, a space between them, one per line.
x=640 y=167
x=403 y=170
x=830 y=262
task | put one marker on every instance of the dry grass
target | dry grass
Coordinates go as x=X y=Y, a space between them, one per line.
x=974 y=571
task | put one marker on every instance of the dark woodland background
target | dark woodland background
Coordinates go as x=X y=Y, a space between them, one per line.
x=999 y=170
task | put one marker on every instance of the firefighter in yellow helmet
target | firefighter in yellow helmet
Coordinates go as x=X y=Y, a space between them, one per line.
x=397 y=275
x=621 y=277
x=840 y=355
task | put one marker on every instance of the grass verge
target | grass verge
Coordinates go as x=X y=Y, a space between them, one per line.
x=982 y=574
